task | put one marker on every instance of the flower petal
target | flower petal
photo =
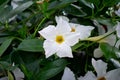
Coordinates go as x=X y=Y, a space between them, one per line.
x=84 y=31
x=117 y=44
x=88 y=76
x=64 y=51
x=63 y=26
x=98 y=53
x=68 y=75
x=18 y=74
x=50 y=48
x=61 y=17
x=100 y=67
x=48 y=32
x=71 y=39
x=118 y=12
x=115 y=62
x=111 y=39
x=113 y=75
x=118 y=29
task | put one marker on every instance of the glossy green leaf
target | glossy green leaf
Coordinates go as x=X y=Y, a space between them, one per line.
x=75 y=11
x=17 y=10
x=60 y=4
x=87 y=3
x=95 y=2
x=109 y=51
x=5 y=45
x=51 y=69
x=33 y=45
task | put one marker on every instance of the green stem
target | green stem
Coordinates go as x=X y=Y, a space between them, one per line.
x=107 y=34
x=37 y=29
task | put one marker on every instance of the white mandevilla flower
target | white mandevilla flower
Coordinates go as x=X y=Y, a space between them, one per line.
x=83 y=31
x=100 y=68
x=68 y=74
x=59 y=39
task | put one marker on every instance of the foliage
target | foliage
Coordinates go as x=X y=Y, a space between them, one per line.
x=21 y=44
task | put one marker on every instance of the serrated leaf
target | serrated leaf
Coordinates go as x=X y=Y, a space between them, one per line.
x=33 y=45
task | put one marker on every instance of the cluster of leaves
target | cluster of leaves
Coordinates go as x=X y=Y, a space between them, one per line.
x=20 y=42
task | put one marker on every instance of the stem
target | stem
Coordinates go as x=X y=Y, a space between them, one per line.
x=107 y=34
x=39 y=26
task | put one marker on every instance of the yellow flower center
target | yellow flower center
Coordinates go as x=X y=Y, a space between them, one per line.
x=72 y=29
x=101 y=78
x=59 y=39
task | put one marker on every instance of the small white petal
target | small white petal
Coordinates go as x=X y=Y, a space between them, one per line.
x=100 y=67
x=84 y=31
x=68 y=75
x=64 y=51
x=117 y=44
x=63 y=26
x=72 y=39
x=113 y=75
x=50 y=48
x=61 y=17
x=118 y=12
x=115 y=62
x=19 y=75
x=100 y=28
x=98 y=53
x=89 y=76
x=118 y=29
x=48 y=32
x=111 y=39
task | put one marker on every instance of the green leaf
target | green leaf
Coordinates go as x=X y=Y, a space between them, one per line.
x=109 y=3
x=33 y=45
x=88 y=4
x=3 y=3
x=60 y=4
x=51 y=69
x=75 y=11
x=10 y=76
x=109 y=51
x=17 y=10
x=95 y=2
x=5 y=45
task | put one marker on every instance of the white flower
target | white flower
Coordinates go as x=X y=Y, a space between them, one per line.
x=118 y=29
x=18 y=74
x=118 y=12
x=68 y=74
x=59 y=39
x=100 y=68
x=83 y=31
